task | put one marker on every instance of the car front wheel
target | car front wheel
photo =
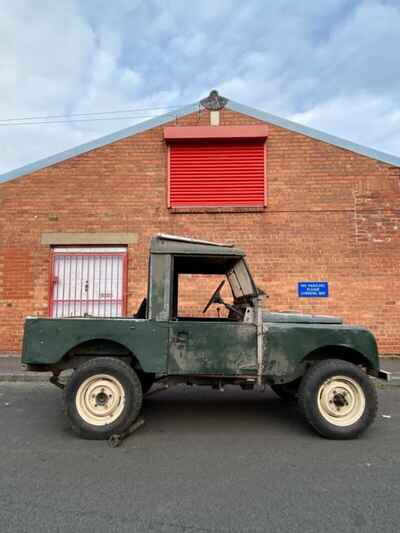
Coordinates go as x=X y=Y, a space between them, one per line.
x=103 y=397
x=338 y=399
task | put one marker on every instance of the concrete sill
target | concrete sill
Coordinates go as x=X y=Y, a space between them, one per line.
x=194 y=210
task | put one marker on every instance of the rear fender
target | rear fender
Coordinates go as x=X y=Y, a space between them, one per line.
x=51 y=341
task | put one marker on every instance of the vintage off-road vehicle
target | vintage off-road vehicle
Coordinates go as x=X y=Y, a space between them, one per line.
x=318 y=361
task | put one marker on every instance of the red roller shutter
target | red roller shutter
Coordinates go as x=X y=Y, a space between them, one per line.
x=217 y=172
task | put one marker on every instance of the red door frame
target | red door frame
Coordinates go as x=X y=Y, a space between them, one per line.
x=52 y=279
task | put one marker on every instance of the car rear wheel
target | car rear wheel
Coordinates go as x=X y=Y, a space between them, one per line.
x=338 y=399
x=103 y=397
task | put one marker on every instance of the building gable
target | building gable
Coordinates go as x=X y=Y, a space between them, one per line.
x=192 y=108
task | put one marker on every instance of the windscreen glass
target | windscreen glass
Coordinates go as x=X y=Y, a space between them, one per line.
x=240 y=281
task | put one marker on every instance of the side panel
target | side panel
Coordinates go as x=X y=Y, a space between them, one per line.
x=46 y=341
x=202 y=347
x=286 y=345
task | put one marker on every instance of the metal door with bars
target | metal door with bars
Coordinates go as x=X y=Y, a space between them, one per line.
x=88 y=282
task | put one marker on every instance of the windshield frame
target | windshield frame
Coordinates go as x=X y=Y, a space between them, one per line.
x=238 y=283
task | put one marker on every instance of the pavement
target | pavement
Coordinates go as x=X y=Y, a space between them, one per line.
x=11 y=370
x=204 y=462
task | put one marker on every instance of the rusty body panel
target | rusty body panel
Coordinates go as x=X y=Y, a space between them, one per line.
x=269 y=347
x=225 y=348
x=287 y=346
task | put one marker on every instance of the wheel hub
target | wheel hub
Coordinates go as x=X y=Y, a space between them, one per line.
x=341 y=401
x=100 y=399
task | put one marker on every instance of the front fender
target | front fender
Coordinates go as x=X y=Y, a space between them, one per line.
x=287 y=346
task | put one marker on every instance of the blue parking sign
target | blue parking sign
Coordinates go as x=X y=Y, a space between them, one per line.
x=313 y=289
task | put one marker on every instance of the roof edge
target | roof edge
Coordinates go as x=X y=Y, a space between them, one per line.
x=315 y=134
x=98 y=143
x=192 y=108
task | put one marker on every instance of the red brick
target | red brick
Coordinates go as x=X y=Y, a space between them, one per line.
x=332 y=215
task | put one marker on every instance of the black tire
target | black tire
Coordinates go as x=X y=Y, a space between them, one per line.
x=316 y=389
x=146 y=380
x=122 y=377
x=286 y=391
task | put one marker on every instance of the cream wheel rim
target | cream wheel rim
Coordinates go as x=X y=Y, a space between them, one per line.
x=100 y=400
x=341 y=401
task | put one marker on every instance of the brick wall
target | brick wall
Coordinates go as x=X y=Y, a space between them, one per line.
x=331 y=215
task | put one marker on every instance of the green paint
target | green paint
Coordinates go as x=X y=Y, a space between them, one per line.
x=47 y=341
x=227 y=348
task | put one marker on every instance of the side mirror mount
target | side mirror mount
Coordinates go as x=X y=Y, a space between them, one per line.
x=261 y=294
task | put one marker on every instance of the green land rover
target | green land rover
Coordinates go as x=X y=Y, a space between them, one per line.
x=317 y=361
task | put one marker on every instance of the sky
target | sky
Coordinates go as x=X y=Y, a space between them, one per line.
x=332 y=65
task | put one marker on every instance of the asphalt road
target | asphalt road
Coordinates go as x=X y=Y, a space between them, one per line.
x=204 y=461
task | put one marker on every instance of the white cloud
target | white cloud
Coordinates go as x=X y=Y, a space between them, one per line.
x=365 y=119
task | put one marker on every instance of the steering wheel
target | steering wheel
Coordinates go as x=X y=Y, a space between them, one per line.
x=215 y=294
